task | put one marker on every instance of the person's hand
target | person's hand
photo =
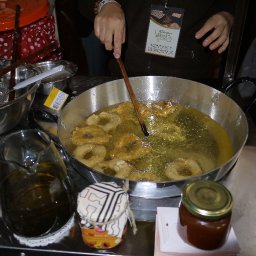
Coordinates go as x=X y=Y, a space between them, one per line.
x=109 y=27
x=220 y=24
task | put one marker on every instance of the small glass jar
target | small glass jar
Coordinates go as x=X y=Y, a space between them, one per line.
x=104 y=211
x=205 y=214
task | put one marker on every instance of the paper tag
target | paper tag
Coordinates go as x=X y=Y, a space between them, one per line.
x=164 y=30
x=56 y=99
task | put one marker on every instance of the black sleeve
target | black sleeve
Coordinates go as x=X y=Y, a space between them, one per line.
x=86 y=9
x=224 y=5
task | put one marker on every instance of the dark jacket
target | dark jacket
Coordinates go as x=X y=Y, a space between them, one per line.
x=192 y=60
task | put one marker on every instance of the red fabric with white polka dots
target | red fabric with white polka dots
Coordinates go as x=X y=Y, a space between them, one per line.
x=33 y=38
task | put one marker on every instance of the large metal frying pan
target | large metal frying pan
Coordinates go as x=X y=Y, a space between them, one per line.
x=210 y=101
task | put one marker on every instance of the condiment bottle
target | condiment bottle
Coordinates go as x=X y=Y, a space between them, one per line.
x=204 y=214
x=104 y=210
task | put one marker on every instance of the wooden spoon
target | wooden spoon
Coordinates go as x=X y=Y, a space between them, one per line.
x=15 y=49
x=133 y=97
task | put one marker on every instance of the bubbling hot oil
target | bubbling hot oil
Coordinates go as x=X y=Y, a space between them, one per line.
x=182 y=133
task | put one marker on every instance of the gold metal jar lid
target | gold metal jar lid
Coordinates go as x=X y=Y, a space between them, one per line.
x=208 y=199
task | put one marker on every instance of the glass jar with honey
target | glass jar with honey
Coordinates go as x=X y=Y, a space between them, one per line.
x=205 y=214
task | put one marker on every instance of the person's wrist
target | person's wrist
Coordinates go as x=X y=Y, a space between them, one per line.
x=228 y=16
x=102 y=3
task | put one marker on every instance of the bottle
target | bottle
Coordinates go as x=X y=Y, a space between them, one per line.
x=204 y=214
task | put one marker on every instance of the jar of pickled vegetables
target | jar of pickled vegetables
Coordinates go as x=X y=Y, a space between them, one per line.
x=205 y=214
x=104 y=211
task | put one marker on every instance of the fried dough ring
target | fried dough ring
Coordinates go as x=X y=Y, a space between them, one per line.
x=206 y=163
x=157 y=108
x=121 y=168
x=90 y=154
x=89 y=135
x=129 y=147
x=107 y=121
x=182 y=168
x=123 y=108
x=126 y=111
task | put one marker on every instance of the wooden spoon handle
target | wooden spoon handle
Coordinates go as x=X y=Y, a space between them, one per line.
x=15 y=51
x=133 y=97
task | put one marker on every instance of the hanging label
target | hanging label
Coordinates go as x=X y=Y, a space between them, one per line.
x=164 y=30
x=56 y=99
